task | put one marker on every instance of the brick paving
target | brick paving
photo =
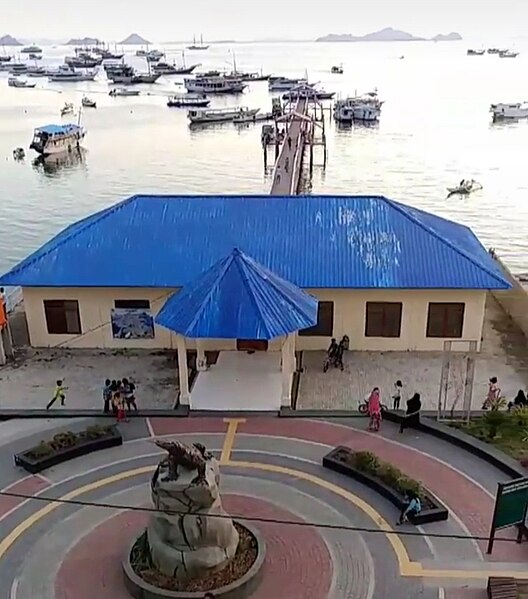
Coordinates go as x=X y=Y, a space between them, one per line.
x=504 y=355
x=467 y=500
x=297 y=565
x=29 y=485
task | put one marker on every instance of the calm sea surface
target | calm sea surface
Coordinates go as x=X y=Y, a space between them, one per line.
x=435 y=130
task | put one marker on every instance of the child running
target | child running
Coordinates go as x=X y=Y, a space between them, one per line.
x=59 y=393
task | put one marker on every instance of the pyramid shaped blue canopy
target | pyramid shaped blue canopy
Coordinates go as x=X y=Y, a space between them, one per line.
x=238 y=298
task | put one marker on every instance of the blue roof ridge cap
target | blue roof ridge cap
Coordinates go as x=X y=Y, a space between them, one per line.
x=238 y=254
x=277 y=288
x=228 y=260
x=102 y=214
x=431 y=231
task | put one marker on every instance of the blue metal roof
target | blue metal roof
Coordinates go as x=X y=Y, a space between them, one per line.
x=237 y=298
x=54 y=129
x=312 y=241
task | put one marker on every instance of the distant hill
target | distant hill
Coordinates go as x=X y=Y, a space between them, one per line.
x=8 y=40
x=83 y=41
x=447 y=37
x=134 y=40
x=385 y=35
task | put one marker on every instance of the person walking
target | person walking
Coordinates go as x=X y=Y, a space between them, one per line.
x=412 y=415
x=396 y=396
x=494 y=392
x=411 y=507
x=287 y=164
x=289 y=142
x=59 y=393
x=374 y=410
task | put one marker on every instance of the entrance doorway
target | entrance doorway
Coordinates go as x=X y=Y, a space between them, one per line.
x=251 y=345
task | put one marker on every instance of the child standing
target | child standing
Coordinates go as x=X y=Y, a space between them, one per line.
x=374 y=410
x=119 y=406
x=396 y=396
x=59 y=393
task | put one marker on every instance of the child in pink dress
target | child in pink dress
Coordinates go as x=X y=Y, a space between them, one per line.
x=374 y=410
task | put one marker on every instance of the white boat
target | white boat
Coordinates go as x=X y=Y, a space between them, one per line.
x=21 y=83
x=502 y=111
x=366 y=108
x=508 y=54
x=55 y=139
x=67 y=109
x=214 y=85
x=284 y=84
x=154 y=56
x=220 y=115
x=123 y=91
x=87 y=103
x=252 y=118
x=464 y=188
x=65 y=73
x=188 y=101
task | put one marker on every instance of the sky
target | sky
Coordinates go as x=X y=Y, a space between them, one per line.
x=175 y=20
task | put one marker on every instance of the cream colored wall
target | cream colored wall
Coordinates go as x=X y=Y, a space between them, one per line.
x=349 y=318
x=96 y=304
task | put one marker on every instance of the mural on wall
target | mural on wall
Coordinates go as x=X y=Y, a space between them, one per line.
x=132 y=324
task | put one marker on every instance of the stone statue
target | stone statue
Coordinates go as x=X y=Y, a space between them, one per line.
x=190 y=536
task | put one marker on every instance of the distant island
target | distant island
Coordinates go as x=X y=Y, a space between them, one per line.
x=386 y=35
x=8 y=40
x=83 y=41
x=447 y=37
x=134 y=40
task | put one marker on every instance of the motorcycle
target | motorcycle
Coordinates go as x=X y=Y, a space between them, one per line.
x=363 y=407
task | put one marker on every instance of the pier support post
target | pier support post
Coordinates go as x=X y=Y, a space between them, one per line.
x=288 y=368
x=183 y=372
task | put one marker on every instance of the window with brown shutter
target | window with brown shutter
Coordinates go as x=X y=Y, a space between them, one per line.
x=445 y=320
x=383 y=319
x=325 y=322
x=62 y=317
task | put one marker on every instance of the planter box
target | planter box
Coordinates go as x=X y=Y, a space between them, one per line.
x=38 y=465
x=436 y=514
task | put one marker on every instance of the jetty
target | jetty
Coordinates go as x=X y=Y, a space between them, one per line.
x=300 y=127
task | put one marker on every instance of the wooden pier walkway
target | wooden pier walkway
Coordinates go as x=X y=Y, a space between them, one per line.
x=288 y=168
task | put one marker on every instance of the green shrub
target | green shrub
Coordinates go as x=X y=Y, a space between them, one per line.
x=66 y=440
x=494 y=420
x=366 y=461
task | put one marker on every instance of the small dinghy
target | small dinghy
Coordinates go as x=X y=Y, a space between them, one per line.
x=465 y=188
x=87 y=103
x=67 y=109
x=19 y=154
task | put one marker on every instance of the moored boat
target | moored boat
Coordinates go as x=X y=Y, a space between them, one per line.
x=123 y=92
x=252 y=118
x=200 y=46
x=305 y=91
x=514 y=111
x=188 y=100
x=67 y=109
x=472 y=52
x=69 y=74
x=508 y=54
x=214 y=85
x=284 y=84
x=88 y=103
x=83 y=61
x=219 y=115
x=54 y=139
x=338 y=70
x=366 y=108
x=20 y=83
x=31 y=50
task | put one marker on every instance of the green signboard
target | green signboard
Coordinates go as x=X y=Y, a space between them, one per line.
x=512 y=500
x=510 y=506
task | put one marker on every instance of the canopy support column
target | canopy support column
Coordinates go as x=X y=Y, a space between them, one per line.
x=201 y=360
x=288 y=368
x=183 y=372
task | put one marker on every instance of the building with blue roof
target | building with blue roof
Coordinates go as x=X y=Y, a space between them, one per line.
x=228 y=272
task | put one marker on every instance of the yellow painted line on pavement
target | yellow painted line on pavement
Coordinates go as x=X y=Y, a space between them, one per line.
x=229 y=440
x=407 y=567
